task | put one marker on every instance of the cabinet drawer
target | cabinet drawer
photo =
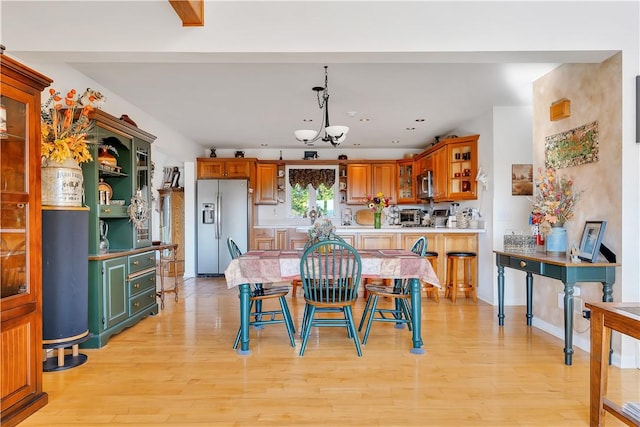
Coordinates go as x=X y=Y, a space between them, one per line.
x=142 y=301
x=142 y=261
x=113 y=211
x=142 y=283
x=526 y=265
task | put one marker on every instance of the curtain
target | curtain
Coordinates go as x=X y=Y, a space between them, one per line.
x=315 y=177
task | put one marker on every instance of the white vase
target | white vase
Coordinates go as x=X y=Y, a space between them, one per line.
x=61 y=183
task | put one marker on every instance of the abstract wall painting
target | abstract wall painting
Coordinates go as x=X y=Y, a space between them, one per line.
x=574 y=147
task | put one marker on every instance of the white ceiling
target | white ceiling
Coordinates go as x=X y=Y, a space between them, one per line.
x=241 y=100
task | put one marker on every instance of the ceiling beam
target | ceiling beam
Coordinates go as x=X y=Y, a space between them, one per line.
x=191 y=12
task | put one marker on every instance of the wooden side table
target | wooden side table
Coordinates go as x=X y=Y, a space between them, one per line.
x=623 y=317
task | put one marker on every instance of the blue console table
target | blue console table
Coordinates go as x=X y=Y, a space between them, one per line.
x=560 y=268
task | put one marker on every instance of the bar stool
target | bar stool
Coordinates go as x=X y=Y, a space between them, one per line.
x=428 y=288
x=464 y=283
x=171 y=267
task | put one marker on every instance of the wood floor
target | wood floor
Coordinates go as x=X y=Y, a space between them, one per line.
x=178 y=369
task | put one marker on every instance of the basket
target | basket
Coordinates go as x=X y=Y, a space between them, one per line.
x=518 y=243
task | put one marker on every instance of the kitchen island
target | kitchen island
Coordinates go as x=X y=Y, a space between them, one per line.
x=440 y=240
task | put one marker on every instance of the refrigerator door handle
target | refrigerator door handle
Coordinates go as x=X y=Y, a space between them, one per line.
x=218 y=211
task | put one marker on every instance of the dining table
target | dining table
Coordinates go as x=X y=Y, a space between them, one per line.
x=277 y=266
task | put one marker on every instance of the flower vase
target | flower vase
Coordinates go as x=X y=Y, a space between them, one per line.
x=556 y=241
x=377 y=219
x=62 y=183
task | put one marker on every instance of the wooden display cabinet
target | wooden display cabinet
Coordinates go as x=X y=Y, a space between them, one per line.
x=122 y=281
x=406 y=181
x=455 y=165
x=171 y=202
x=21 y=236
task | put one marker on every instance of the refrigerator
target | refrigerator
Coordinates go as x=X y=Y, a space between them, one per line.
x=222 y=209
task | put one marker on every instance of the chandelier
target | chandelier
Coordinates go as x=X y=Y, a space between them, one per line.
x=333 y=134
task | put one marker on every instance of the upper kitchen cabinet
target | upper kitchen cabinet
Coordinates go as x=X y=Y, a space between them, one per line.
x=406 y=181
x=21 y=233
x=455 y=164
x=270 y=183
x=216 y=168
x=370 y=179
x=463 y=166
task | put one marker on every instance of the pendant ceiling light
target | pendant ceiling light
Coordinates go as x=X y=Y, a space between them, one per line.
x=333 y=134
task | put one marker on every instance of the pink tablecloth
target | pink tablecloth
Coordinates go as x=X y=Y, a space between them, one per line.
x=284 y=266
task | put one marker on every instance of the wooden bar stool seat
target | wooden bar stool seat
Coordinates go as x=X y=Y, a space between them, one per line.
x=428 y=288
x=465 y=282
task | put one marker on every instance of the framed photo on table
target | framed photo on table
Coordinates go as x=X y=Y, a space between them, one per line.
x=591 y=240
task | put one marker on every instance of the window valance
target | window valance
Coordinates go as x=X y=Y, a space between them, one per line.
x=315 y=177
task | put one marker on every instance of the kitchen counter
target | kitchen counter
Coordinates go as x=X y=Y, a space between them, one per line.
x=396 y=229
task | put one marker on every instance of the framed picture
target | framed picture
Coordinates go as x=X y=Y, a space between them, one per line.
x=522 y=180
x=591 y=240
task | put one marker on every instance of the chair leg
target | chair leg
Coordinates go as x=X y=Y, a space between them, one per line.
x=288 y=322
x=365 y=312
x=372 y=313
x=308 y=319
x=352 y=327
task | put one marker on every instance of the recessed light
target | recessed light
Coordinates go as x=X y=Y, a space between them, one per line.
x=264 y=145
x=411 y=128
x=307 y=120
x=419 y=120
x=356 y=144
x=395 y=141
x=365 y=119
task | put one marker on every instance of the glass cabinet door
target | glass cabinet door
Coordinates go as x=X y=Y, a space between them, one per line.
x=142 y=230
x=14 y=196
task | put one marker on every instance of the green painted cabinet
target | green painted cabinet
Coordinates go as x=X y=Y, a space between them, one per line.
x=116 y=183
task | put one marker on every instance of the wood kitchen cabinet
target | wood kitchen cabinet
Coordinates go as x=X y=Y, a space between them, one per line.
x=365 y=179
x=21 y=233
x=215 y=168
x=270 y=183
x=455 y=164
x=406 y=179
x=269 y=238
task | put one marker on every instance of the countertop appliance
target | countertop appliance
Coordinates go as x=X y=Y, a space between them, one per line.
x=222 y=208
x=425 y=185
x=439 y=218
x=411 y=217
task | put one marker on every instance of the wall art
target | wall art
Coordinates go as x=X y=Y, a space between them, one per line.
x=522 y=180
x=574 y=147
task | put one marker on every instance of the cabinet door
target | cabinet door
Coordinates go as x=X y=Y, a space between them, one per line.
x=266 y=184
x=238 y=169
x=264 y=239
x=383 y=180
x=142 y=168
x=406 y=182
x=114 y=291
x=210 y=168
x=440 y=174
x=358 y=183
x=377 y=241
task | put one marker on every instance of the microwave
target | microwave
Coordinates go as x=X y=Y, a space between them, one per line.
x=424 y=189
x=411 y=217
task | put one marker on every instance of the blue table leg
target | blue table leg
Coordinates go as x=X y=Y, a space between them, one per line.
x=245 y=311
x=529 y=298
x=568 y=323
x=416 y=316
x=500 y=295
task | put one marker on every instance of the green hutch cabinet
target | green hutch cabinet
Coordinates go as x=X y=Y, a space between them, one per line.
x=122 y=273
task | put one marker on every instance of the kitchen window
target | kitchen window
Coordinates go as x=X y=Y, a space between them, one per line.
x=312 y=188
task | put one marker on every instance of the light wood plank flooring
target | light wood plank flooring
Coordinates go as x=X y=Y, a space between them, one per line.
x=178 y=369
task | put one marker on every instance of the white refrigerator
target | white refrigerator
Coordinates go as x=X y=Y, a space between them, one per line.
x=222 y=209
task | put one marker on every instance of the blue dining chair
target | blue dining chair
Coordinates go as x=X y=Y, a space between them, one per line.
x=399 y=293
x=259 y=294
x=330 y=272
